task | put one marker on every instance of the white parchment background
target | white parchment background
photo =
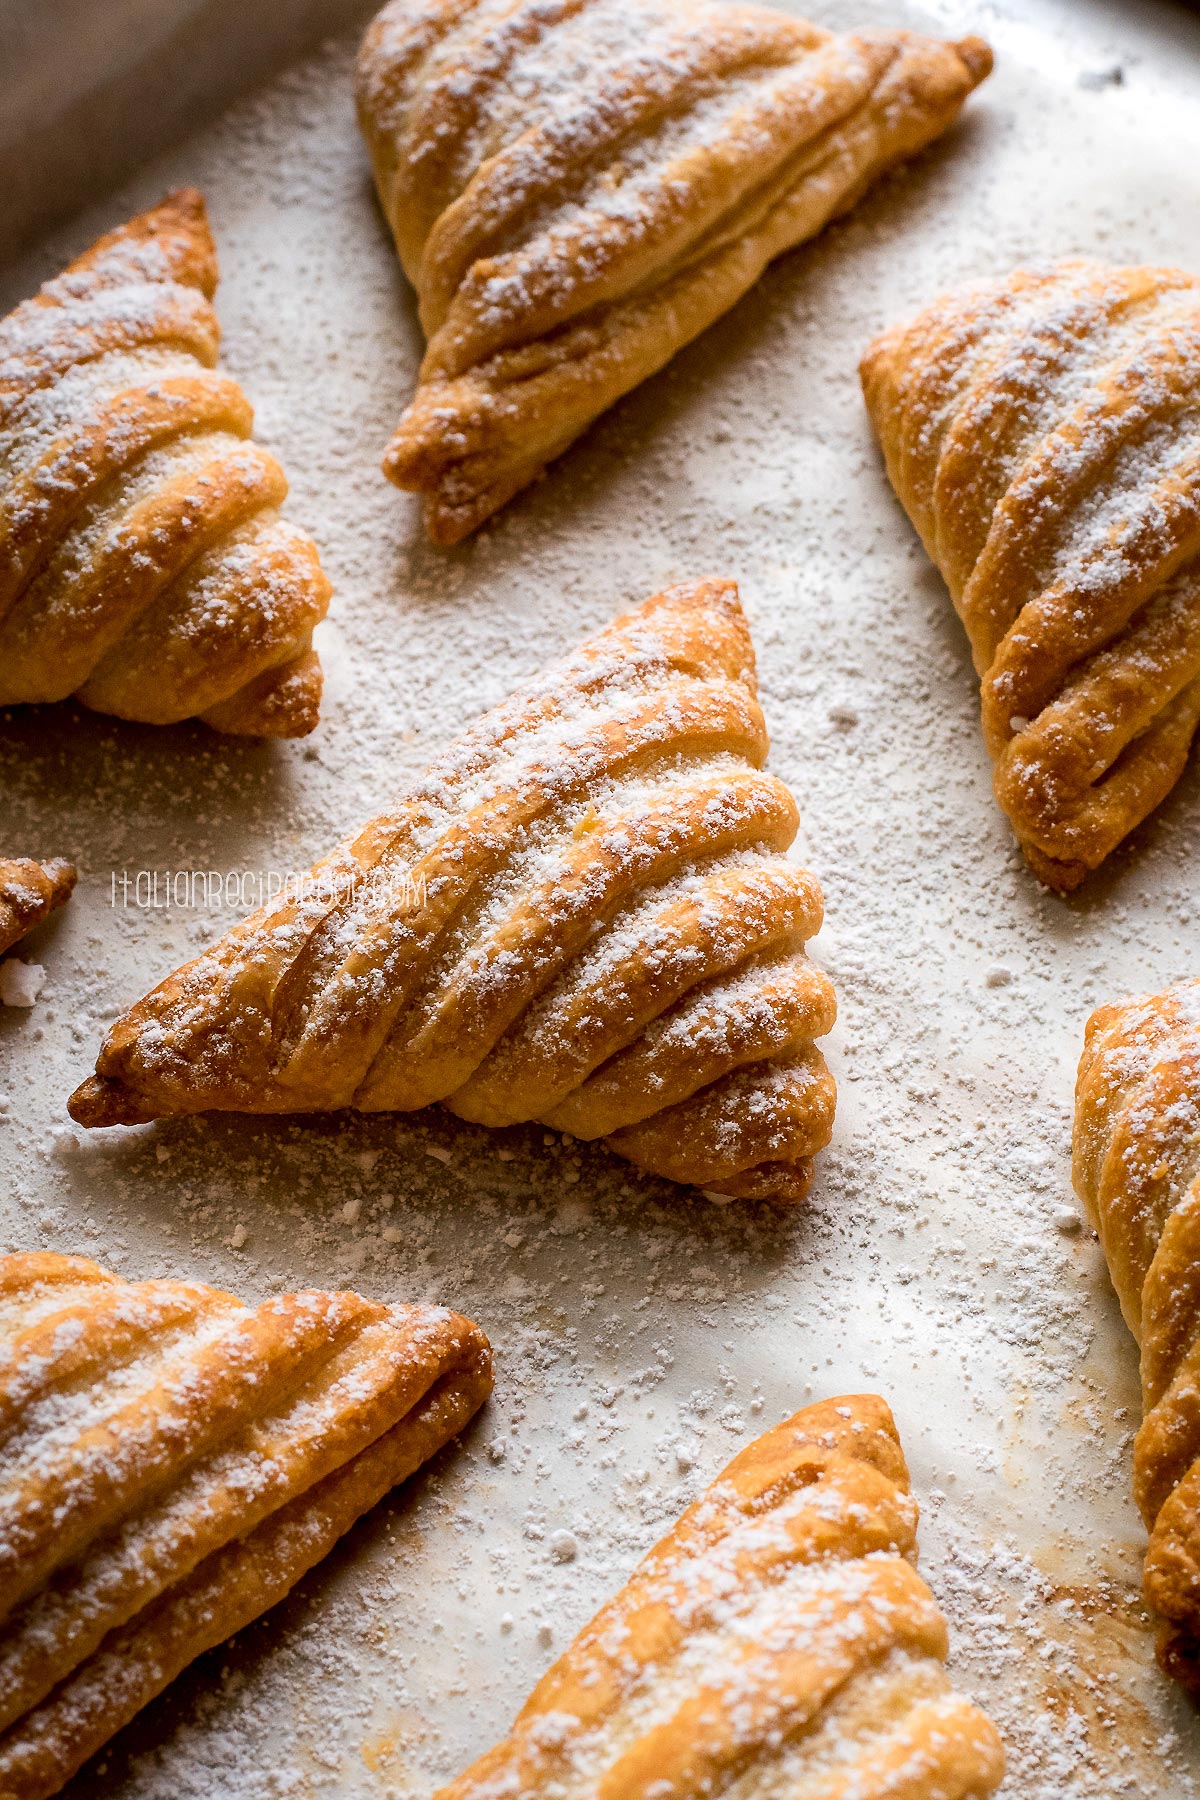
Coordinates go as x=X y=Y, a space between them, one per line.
x=643 y=1336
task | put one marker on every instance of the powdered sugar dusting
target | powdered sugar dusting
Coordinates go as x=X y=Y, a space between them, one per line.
x=643 y=1336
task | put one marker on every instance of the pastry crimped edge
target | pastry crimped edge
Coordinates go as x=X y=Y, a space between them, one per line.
x=1136 y=1164
x=147 y=500
x=478 y=430
x=29 y=892
x=627 y=780
x=778 y=1630
x=121 y=1565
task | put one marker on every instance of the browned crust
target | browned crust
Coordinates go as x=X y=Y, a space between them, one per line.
x=793 y=1571
x=182 y=1513
x=534 y=330
x=29 y=892
x=1137 y=1169
x=131 y=627
x=1011 y=413
x=644 y=981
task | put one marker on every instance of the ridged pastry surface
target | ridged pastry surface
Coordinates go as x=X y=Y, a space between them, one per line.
x=29 y=892
x=577 y=189
x=1043 y=433
x=144 y=567
x=583 y=915
x=1137 y=1169
x=777 y=1642
x=171 y=1462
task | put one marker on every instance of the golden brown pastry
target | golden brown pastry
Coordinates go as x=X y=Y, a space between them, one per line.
x=778 y=1641
x=30 y=892
x=582 y=915
x=144 y=567
x=577 y=190
x=1043 y=433
x=173 y=1463
x=1137 y=1169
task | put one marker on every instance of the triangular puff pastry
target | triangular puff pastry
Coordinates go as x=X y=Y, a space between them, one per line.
x=30 y=892
x=777 y=1641
x=173 y=1464
x=144 y=567
x=577 y=189
x=1137 y=1169
x=582 y=915
x=1043 y=433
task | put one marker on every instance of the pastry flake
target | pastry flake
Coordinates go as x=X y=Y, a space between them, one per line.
x=173 y=1463
x=778 y=1641
x=583 y=915
x=577 y=189
x=29 y=892
x=1137 y=1170
x=144 y=567
x=1043 y=434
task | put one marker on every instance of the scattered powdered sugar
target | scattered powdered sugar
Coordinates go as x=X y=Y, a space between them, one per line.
x=642 y=1336
x=20 y=982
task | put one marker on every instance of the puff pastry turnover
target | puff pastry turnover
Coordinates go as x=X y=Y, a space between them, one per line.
x=577 y=189
x=1043 y=433
x=29 y=892
x=583 y=915
x=173 y=1463
x=1137 y=1169
x=778 y=1641
x=144 y=567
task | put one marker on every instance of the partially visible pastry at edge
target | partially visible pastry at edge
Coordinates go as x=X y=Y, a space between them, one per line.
x=29 y=892
x=583 y=915
x=577 y=190
x=778 y=1641
x=1137 y=1169
x=1043 y=433
x=173 y=1463
x=144 y=567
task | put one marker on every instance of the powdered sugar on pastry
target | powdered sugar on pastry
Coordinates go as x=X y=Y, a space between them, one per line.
x=143 y=564
x=1043 y=432
x=1137 y=1168
x=577 y=189
x=577 y=805
x=778 y=1640
x=173 y=1462
x=643 y=1335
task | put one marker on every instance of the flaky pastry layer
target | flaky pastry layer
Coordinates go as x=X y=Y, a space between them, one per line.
x=577 y=189
x=1137 y=1169
x=29 y=892
x=582 y=915
x=172 y=1463
x=144 y=567
x=777 y=1644
x=1043 y=433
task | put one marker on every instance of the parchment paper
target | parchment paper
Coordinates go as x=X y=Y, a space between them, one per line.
x=642 y=1335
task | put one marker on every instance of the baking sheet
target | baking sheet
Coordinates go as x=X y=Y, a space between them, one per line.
x=642 y=1335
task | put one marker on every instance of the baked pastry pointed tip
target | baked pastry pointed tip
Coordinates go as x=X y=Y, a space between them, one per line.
x=283 y=702
x=977 y=54
x=583 y=915
x=172 y=240
x=144 y=565
x=97 y=1102
x=63 y=876
x=578 y=191
x=185 y=212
